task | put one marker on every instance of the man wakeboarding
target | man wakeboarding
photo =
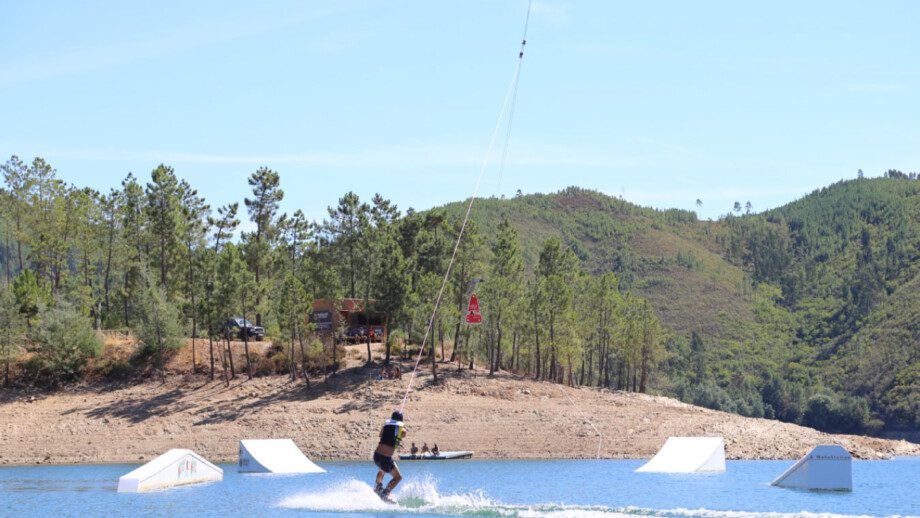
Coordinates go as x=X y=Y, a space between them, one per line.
x=391 y=435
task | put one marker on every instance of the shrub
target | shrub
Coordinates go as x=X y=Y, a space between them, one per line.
x=263 y=364
x=114 y=369
x=64 y=341
x=31 y=296
x=278 y=363
x=829 y=413
x=160 y=327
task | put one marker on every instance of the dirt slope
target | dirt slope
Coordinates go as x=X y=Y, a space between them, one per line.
x=504 y=417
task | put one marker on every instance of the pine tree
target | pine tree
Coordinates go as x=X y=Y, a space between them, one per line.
x=194 y=215
x=263 y=207
x=163 y=210
x=342 y=231
x=504 y=285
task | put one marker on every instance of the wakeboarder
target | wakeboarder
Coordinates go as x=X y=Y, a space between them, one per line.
x=391 y=435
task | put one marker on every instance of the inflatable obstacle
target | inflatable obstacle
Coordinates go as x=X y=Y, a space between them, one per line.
x=177 y=467
x=688 y=455
x=826 y=467
x=274 y=456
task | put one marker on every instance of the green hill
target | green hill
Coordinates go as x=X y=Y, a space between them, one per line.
x=807 y=312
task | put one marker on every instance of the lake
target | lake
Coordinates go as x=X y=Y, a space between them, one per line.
x=548 y=488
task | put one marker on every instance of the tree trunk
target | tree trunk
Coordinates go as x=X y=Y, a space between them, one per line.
x=108 y=265
x=498 y=348
x=292 y=366
x=303 y=357
x=644 y=374
x=160 y=362
x=19 y=241
x=369 y=359
x=441 y=336
x=163 y=261
x=223 y=366
x=6 y=260
x=127 y=323
x=211 y=350
x=552 y=363
x=536 y=333
x=408 y=339
x=453 y=354
x=434 y=365
x=386 y=327
x=334 y=359
x=246 y=350
x=230 y=356
x=458 y=353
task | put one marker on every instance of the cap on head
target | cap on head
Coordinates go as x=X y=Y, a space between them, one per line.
x=397 y=416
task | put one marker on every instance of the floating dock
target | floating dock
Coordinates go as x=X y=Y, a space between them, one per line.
x=444 y=455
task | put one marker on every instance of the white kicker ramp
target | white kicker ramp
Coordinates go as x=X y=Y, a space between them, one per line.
x=274 y=456
x=826 y=467
x=176 y=467
x=688 y=455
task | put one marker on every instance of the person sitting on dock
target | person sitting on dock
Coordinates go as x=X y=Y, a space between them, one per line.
x=435 y=451
x=414 y=449
x=425 y=448
x=391 y=435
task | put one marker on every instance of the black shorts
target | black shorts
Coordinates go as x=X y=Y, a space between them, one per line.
x=383 y=462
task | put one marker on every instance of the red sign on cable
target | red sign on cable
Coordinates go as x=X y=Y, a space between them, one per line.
x=472 y=311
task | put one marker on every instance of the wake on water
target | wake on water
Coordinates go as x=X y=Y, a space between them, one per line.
x=423 y=497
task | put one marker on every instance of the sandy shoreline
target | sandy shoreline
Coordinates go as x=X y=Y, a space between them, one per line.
x=500 y=418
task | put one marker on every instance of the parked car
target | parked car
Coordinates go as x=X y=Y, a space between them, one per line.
x=242 y=328
x=356 y=334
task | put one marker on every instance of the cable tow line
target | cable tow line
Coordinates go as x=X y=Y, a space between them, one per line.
x=510 y=94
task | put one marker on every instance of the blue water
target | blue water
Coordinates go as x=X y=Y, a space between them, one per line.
x=567 y=488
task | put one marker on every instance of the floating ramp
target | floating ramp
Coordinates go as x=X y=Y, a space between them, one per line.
x=177 y=467
x=688 y=455
x=274 y=456
x=444 y=455
x=827 y=467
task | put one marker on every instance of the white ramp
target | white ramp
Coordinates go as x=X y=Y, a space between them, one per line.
x=826 y=467
x=274 y=456
x=688 y=455
x=176 y=467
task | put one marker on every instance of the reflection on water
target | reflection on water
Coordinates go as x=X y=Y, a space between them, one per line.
x=561 y=489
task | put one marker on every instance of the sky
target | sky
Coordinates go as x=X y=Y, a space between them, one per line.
x=662 y=103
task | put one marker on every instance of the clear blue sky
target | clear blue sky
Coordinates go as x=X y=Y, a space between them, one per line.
x=660 y=102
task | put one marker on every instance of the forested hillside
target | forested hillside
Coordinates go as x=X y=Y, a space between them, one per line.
x=805 y=313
